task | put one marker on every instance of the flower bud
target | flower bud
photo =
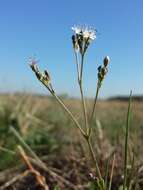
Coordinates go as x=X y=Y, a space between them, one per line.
x=73 y=40
x=103 y=71
x=99 y=68
x=33 y=65
x=75 y=43
x=35 y=69
x=106 y=61
x=46 y=77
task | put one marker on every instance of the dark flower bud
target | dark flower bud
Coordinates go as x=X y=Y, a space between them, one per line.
x=73 y=39
x=75 y=43
x=106 y=61
x=99 y=68
x=47 y=76
x=103 y=70
x=34 y=68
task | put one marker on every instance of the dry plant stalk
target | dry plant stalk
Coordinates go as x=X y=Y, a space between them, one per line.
x=14 y=180
x=40 y=179
x=41 y=165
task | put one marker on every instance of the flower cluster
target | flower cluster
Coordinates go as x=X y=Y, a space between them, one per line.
x=82 y=38
x=44 y=77
x=102 y=70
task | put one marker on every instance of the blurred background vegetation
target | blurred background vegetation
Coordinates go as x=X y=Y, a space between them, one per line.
x=47 y=129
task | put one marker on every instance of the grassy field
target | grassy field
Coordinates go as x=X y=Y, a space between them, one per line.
x=51 y=134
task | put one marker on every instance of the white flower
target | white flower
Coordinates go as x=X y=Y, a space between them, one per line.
x=87 y=32
x=76 y=29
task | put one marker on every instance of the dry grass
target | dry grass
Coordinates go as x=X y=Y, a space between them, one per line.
x=51 y=134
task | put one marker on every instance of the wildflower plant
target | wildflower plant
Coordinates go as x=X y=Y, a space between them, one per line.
x=81 y=40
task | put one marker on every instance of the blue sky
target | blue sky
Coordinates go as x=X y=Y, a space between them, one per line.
x=42 y=28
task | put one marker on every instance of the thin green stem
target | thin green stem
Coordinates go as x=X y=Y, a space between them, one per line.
x=107 y=171
x=132 y=173
x=79 y=73
x=17 y=135
x=107 y=168
x=112 y=170
x=7 y=150
x=81 y=69
x=51 y=90
x=69 y=113
x=77 y=65
x=93 y=158
x=83 y=106
x=66 y=110
x=93 y=109
x=126 y=143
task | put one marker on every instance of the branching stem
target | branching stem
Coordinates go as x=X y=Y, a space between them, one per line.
x=66 y=110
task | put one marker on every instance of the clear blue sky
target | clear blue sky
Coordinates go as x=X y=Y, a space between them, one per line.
x=42 y=28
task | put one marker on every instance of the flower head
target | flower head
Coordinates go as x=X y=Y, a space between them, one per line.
x=76 y=29
x=82 y=38
x=85 y=32
x=89 y=33
x=44 y=77
x=102 y=70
